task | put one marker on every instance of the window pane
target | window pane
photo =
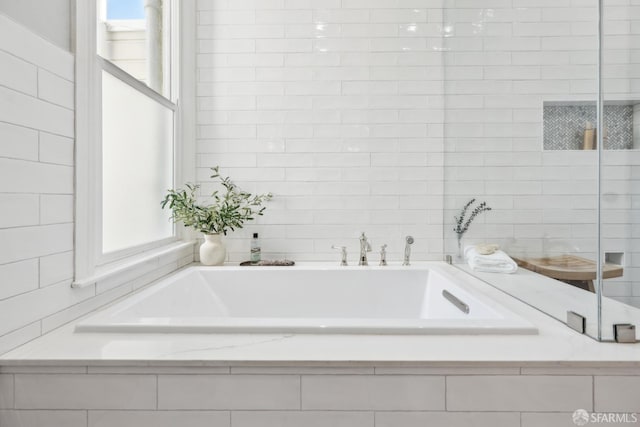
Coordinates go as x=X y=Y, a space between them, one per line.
x=132 y=35
x=137 y=166
x=125 y=9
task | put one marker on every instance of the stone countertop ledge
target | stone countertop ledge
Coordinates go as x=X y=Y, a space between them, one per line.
x=555 y=346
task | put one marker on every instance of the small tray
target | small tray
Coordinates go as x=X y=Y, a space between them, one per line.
x=268 y=263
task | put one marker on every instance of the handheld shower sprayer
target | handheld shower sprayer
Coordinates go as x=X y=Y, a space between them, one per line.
x=407 y=250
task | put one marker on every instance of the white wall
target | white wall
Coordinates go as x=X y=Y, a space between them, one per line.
x=335 y=107
x=36 y=176
x=51 y=18
x=36 y=195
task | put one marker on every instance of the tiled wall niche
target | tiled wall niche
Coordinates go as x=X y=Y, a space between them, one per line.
x=565 y=124
x=366 y=396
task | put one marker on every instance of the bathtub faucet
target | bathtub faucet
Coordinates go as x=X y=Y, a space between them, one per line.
x=343 y=251
x=365 y=247
x=407 y=250
x=383 y=255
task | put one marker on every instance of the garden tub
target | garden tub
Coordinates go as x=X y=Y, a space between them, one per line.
x=429 y=299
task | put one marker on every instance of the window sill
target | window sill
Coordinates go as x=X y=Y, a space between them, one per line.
x=130 y=263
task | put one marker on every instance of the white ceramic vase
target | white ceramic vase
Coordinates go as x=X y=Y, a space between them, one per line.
x=213 y=251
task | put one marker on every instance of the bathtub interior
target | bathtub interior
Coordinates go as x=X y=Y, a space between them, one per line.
x=305 y=300
x=301 y=294
x=382 y=294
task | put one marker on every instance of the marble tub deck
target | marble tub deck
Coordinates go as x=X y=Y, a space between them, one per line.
x=554 y=344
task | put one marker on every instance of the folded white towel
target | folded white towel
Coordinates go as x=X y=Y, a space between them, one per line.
x=497 y=262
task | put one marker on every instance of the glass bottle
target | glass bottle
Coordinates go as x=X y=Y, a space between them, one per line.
x=255 y=249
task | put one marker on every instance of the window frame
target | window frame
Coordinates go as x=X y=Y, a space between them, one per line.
x=90 y=262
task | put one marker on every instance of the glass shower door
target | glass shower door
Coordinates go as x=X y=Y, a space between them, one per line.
x=619 y=285
x=521 y=85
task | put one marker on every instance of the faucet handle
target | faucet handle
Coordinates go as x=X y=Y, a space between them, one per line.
x=383 y=255
x=343 y=250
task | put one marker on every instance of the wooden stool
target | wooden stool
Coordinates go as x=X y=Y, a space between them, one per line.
x=571 y=269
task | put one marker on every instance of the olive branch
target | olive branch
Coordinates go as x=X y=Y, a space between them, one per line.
x=229 y=210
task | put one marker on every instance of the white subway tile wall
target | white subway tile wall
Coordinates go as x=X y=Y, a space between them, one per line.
x=43 y=418
x=449 y=419
x=267 y=392
x=43 y=391
x=360 y=115
x=334 y=106
x=36 y=196
x=157 y=418
x=157 y=396
x=614 y=394
x=6 y=391
x=371 y=392
x=519 y=393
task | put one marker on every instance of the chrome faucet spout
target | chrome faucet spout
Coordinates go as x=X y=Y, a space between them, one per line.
x=365 y=247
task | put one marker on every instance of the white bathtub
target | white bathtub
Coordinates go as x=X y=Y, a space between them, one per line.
x=311 y=299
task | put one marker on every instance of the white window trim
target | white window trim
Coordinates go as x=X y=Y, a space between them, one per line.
x=126 y=25
x=90 y=264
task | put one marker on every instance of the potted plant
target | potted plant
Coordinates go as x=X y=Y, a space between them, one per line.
x=229 y=210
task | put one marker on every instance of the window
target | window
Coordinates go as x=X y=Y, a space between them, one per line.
x=135 y=35
x=126 y=115
x=137 y=166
